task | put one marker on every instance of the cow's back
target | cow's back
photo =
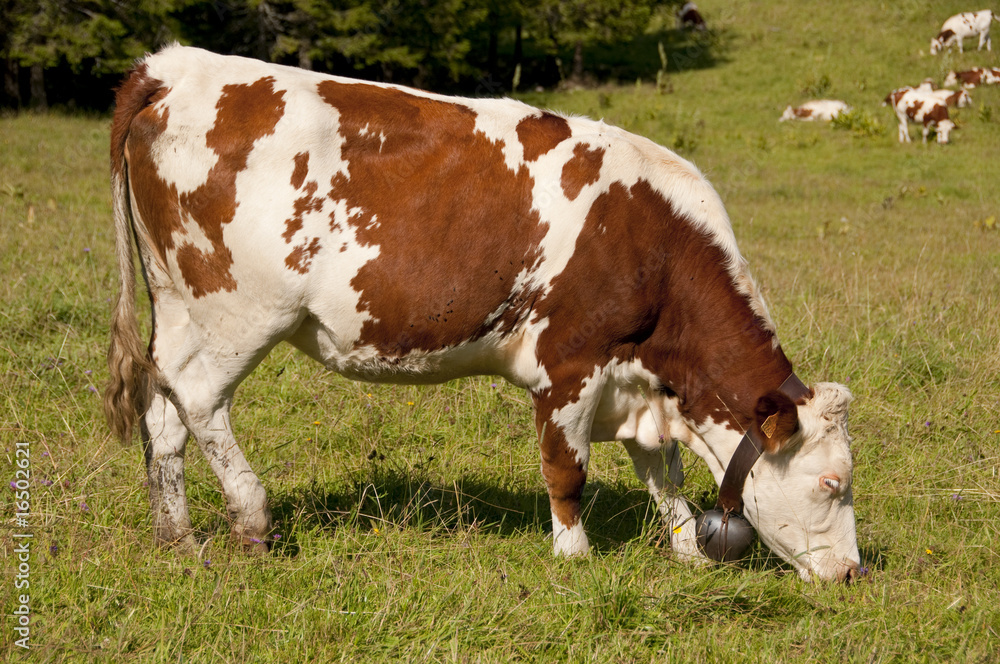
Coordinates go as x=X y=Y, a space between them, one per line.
x=394 y=229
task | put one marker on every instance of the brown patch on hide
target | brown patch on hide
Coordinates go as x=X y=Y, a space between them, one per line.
x=913 y=109
x=970 y=78
x=301 y=169
x=302 y=256
x=583 y=169
x=156 y=200
x=936 y=114
x=664 y=297
x=454 y=226
x=565 y=476
x=539 y=134
x=244 y=114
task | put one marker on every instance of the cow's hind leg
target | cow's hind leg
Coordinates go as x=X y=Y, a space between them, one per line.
x=904 y=130
x=651 y=463
x=204 y=391
x=200 y=371
x=164 y=440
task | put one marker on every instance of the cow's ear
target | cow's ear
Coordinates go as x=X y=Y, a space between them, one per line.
x=776 y=419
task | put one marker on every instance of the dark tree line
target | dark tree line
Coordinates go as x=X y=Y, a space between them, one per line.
x=72 y=52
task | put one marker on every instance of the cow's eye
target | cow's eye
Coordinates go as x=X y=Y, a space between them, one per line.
x=831 y=483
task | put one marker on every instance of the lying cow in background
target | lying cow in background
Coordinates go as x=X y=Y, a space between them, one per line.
x=820 y=109
x=921 y=107
x=689 y=18
x=400 y=236
x=974 y=77
x=961 y=26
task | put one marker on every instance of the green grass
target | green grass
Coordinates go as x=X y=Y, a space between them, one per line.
x=414 y=520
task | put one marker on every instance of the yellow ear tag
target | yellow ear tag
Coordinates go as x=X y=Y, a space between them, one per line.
x=769 y=425
x=677 y=530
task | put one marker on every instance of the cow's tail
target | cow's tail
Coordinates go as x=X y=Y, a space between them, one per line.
x=127 y=392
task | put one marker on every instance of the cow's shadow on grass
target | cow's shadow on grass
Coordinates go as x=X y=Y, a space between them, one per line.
x=613 y=514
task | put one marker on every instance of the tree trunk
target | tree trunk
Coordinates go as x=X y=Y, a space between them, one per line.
x=39 y=100
x=492 y=48
x=518 y=50
x=11 y=87
x=577 y=75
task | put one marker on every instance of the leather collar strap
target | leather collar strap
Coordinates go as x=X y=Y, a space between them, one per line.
x=749 y=450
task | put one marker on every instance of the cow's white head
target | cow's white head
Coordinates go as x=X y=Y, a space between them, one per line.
x=944 y=128
x=798 y=494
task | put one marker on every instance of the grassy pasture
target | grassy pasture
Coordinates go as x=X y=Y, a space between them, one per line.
x=414 y=520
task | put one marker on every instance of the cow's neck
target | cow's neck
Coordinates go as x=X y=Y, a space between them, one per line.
x=716 y=353
x=727 y=392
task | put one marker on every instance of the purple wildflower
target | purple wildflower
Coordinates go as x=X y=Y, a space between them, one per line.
x=54 y=550
x=957 y=496
x=86 y=250
x=46 y=481
x=83 y=506
x=92 y=389
x=207 y=563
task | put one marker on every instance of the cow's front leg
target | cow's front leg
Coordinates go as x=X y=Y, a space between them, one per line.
x=564 y=438
x=651 y=461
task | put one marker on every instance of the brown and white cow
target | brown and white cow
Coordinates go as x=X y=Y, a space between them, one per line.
x=974 y=77
x=961 y=26
x=400 y=236
x=689 y=18
x=823 y=110
x=922 y=107
x=952 y=98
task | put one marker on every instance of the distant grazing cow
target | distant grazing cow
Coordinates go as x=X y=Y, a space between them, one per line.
x=400 y=236
x=921 y=107
x=689 y=18
x=974 y=77
x=953 y=98
x=820 y=109
x=961 y=26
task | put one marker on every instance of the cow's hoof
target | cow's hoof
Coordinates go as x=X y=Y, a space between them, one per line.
x=185 y=545
x=688 y=551
x=254 y=546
